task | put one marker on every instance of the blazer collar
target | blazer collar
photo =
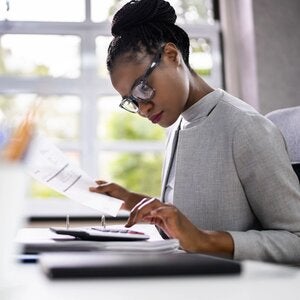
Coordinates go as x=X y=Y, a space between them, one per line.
x=202 y=107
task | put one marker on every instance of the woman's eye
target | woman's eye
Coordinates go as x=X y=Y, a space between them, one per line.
x=142 y=91
x=144 y=87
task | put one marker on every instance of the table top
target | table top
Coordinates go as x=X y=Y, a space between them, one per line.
x=257 y=281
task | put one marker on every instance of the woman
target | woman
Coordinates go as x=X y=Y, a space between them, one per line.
x=228 y=186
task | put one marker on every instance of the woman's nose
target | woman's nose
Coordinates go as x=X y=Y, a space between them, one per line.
x=145 y=108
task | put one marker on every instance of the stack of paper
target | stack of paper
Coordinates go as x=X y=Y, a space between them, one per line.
x=37 y=240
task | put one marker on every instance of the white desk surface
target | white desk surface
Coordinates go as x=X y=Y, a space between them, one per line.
x=257 y=281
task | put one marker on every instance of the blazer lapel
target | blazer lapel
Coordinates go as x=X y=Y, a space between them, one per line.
x=170 y=158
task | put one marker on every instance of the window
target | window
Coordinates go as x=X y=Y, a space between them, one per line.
x=57 y=54
x=28 y=55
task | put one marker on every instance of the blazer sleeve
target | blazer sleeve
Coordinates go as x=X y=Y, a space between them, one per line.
x=272 y=190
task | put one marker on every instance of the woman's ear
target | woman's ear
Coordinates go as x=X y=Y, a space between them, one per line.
x=172 y=53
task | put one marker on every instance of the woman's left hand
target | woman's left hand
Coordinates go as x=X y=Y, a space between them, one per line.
x=174 y=223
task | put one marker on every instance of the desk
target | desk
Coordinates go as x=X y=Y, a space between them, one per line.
x=257 y=281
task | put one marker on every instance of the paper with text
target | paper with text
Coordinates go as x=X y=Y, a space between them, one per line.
x=47 y=164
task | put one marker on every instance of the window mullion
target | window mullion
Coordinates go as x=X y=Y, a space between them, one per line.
x=88 y=127
x=88 y=10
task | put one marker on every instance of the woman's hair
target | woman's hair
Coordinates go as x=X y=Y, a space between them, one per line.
x=145 y=25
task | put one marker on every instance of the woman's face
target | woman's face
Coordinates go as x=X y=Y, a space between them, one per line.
x=169 y=79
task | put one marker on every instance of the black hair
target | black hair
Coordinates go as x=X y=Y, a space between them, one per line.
x=145 y=25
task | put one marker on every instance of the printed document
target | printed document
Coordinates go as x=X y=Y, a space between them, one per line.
x=48 y=164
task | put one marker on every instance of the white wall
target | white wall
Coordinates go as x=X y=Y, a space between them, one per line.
x=262 y=51
x=277 y=36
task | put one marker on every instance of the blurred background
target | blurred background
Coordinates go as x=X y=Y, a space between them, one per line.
x=55 y=51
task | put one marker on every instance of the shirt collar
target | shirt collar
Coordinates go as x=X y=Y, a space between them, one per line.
x=202 y=107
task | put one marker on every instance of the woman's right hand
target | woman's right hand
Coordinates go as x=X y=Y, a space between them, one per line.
x=114 y=190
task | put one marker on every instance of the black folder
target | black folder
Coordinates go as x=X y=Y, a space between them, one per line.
x=96 y=264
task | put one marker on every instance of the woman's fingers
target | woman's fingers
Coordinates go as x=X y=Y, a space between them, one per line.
x=155 y=221
x=96 y=188
x=168 y=213
x=142 y=210
x=133 y=212
x=100 y=181
x=168 y=218
x=102 y=188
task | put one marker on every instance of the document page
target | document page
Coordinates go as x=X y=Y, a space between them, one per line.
x=49 y=165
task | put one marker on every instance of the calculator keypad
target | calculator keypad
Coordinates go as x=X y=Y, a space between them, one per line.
x=117 y=230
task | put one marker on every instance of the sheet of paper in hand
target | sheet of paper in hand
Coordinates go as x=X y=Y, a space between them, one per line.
x=47 y=164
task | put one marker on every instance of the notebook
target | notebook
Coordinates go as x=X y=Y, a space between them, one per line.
x=95 y=264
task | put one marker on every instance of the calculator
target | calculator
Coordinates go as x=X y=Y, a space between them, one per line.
x=102 y=234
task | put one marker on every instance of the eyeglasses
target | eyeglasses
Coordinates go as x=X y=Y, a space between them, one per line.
x=141 y=92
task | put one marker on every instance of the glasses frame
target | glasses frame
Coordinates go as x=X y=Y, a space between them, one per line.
x=134 y=101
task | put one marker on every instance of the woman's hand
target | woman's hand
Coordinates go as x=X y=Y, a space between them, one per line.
x=176 y=225
x=114 y=190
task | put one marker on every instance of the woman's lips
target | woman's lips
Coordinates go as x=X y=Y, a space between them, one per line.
x=156 y=118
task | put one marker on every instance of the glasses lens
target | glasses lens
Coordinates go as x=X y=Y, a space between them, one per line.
x=129 y=105
x=142 y=91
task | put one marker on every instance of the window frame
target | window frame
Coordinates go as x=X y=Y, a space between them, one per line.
x=89 y=87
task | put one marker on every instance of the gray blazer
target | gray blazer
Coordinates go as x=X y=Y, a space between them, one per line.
x=233 y=173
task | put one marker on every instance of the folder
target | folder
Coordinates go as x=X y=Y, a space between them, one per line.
x=92 y=264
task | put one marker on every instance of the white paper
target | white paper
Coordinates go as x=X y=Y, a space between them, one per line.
x=39 y=239
x=47 y=164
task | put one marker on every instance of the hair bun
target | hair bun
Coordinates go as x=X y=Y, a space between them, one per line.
x=140 y=12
